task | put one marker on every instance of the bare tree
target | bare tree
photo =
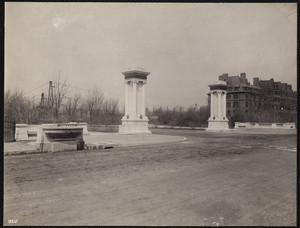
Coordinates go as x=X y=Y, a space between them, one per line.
x=111 y=106
x=72 y=106
x=14 y=107
x=94 y=102
x=59 y=94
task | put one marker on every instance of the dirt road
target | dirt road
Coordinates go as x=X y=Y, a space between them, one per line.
x=209 y=179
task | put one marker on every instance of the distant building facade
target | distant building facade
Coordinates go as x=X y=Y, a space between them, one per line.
x=245 y=101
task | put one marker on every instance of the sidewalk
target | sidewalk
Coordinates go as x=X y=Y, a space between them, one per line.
x=97 y=140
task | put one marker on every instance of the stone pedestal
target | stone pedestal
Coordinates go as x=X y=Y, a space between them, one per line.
x=218 y=120
x=134 y=127
x=135 y=120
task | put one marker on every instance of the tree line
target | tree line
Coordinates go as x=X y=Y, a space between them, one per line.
x=92 y=107
x=178 y=116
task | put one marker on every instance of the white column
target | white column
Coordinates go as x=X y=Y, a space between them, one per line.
x=134 y=98
x=126 y=98
x=211 y=105
x=219 y=105
x=224 y=104
x=143 y=98
x=129 y=98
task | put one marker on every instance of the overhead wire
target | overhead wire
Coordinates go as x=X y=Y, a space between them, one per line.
x=36 y=88
x=114 y=94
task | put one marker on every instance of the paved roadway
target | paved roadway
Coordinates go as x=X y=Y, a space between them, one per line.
x=209 y=179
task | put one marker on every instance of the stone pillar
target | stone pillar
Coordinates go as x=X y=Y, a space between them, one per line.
x=224 y=104
x=212 y=105
x=143 y=99
x=126 y=98
x=218 y=120
x=219 y=104
x=134 y=98
x=135 y=121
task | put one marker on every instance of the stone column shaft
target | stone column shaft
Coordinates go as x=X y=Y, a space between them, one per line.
x=143 y=98
x=224 y=104
x=211 y=105
x=126 y=98
x=134 y=97
x=219 y=105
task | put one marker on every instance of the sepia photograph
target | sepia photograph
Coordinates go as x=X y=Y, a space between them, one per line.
x=150 y=114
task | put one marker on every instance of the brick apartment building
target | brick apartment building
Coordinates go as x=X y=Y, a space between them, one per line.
x=246 y=101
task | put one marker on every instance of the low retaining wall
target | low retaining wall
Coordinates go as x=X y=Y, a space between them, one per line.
x=175 y=127
x=103 y=128
x=265 y=125
x=26 y=132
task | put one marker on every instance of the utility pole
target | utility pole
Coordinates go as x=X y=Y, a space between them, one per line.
x=50 y=94
x=42 y=100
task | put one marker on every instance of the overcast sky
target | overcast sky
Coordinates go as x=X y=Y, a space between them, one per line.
x=185 y=46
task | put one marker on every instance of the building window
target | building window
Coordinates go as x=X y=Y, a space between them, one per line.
x=246 y=104
x=246 y=111
x=228 y=113
x=235 y=104
x=228 y=96
x=228 y=104
x=235 y=96
x=236 y=88
x=246 y=95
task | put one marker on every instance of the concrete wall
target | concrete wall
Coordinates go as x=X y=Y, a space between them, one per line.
x=26 y=132
x=103 y=128
x=59 y=137
x=265 y=125
x=175 y=127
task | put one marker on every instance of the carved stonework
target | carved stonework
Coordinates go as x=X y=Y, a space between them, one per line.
x=135 y=120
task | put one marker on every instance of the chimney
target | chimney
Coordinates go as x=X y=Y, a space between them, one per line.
x=243 y=78
x=256 y=81
x=223 y=77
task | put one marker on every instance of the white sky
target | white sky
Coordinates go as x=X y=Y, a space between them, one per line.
x=185 y=46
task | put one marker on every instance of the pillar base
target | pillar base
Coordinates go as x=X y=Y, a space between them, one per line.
x=134 y=126
x=217 y=125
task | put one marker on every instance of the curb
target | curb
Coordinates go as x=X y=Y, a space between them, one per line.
x=88 y=146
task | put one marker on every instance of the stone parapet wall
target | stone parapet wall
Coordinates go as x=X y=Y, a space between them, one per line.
x=26 y=132
x=265 y=125
x=59 y=137
x=103 y=128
